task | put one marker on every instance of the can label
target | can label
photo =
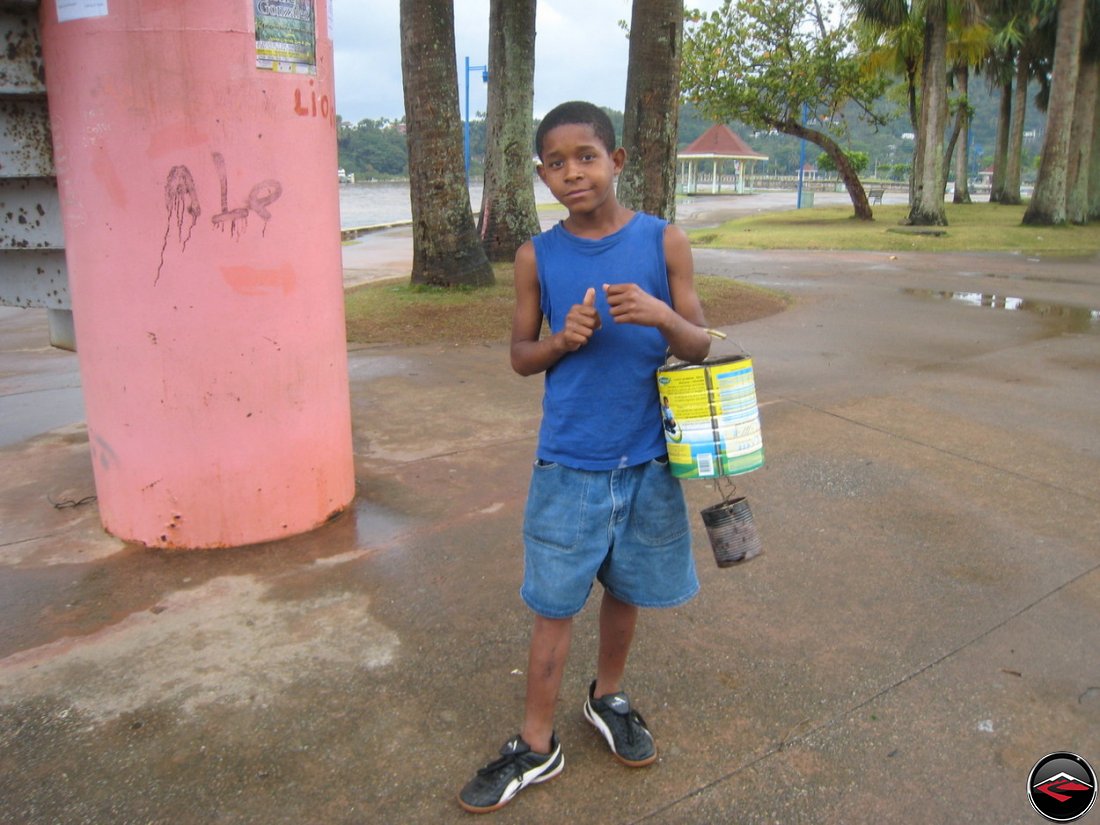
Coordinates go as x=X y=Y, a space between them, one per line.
x=710 y=418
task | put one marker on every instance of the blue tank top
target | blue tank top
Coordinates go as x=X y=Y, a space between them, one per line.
x=600 y=408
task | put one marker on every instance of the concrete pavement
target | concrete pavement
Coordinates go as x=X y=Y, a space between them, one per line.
x=921 y=629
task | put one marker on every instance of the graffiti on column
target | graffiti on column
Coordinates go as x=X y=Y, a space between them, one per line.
x=236 y=218
x=182 y=202
x=262 y=195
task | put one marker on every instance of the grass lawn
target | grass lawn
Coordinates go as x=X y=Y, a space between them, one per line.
x=397 y=313
x=977 y=227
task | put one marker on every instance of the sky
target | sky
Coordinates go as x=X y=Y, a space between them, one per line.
x=580 y=53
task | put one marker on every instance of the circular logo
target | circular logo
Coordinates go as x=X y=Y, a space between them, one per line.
x=1062 y=787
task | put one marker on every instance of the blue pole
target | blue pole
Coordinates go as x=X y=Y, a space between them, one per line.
x=466 y=130
x=466 y=126
x=801 y=161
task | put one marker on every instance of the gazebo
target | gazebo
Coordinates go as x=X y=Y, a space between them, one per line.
x=717 y=144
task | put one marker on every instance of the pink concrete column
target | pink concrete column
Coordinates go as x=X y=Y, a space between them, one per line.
x=201 y=214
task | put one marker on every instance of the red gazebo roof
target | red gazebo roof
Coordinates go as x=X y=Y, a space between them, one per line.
x=719 y=141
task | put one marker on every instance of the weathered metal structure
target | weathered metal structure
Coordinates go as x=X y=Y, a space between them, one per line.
x=32 y=242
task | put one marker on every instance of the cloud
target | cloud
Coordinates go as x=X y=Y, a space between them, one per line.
x=580 y=52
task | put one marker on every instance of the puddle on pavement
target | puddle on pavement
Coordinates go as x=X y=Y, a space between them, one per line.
x=1066 y=317
x=375 y=526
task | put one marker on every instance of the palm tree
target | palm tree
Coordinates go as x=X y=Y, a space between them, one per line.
x=1083 y=142
x=651 y=112
x=1012 y=62
x=967 y=46
x=926 y=201
x=896 y=46
x=1094 y=164
x=508 y=214
x=1048 y=203
x=446 y=249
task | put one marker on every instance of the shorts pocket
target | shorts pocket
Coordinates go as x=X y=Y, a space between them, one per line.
x=659 y=514
x=551 y=516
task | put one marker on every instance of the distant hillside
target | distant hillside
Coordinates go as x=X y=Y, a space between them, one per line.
x=375 y=149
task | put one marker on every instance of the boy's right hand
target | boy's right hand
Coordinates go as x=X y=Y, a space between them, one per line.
x=581 y=322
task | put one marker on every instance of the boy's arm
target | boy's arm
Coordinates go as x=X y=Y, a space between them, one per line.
x=682 y=324
x=530 y=354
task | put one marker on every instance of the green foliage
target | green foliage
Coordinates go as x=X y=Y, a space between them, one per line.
x=763 y=62
x=372 y=149
x=859 y=161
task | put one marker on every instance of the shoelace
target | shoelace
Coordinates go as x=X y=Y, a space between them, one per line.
x=630 y=722
x=632 y=729
x=503 y=761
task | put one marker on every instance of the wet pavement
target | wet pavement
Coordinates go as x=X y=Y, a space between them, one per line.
x=921 y=628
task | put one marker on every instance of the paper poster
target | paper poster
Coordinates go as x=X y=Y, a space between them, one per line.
x=286 y=36
x=79 y=9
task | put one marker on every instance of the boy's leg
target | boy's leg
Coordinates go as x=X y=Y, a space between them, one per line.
x=550 y=640
x=617 y=622
x=608 y=708
x=535 y=755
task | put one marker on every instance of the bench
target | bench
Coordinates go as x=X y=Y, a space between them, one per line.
x=875 y=195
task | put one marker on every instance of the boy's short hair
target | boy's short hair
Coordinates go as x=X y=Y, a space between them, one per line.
x=577 y=111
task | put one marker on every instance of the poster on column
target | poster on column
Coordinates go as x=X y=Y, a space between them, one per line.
x=286 y=36
x=79 y=9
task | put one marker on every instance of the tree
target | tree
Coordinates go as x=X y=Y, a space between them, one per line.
x=651 y=113
x=1083 y=155
x=766 y=62
x=960 y=138
x=894 y=41
x=926 y=199
x=508 y=216
x=859 y=161
x=969 y=42
x=1011 y=63
x=1048 y=202
x=1094 y=165
x=446 y=249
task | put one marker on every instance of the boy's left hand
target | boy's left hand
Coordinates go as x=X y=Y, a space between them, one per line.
x=630 y=304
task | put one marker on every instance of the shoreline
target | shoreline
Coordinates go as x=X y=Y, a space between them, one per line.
x=384 y=251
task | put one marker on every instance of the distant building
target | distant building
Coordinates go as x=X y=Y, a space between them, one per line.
x=719 y=147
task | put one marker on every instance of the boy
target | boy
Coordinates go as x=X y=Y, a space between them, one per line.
x=617 y=290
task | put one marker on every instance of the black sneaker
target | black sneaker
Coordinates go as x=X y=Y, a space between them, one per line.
x=500 y=780
x=623 y=728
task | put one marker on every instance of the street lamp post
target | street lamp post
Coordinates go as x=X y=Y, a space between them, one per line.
x=801 y=162
x=466 y=131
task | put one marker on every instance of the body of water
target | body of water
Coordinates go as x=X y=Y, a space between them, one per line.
x=365 y=204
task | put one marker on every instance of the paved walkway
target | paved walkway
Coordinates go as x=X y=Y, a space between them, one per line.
x=922 y=627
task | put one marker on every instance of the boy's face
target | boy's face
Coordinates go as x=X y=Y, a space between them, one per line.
x=578 y=168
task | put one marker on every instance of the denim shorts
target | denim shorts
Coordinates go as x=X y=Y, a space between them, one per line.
x=627 y=528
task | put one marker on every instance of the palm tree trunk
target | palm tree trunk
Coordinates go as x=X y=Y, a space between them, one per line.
x=508 y=216
x=648 y=182
x=1081 y=142
x=962 y=151
x=1000 y=151
x=446 y=249
x=1048 y=203
x=1094 y=164
x=1013 y=163
x=927 y=206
